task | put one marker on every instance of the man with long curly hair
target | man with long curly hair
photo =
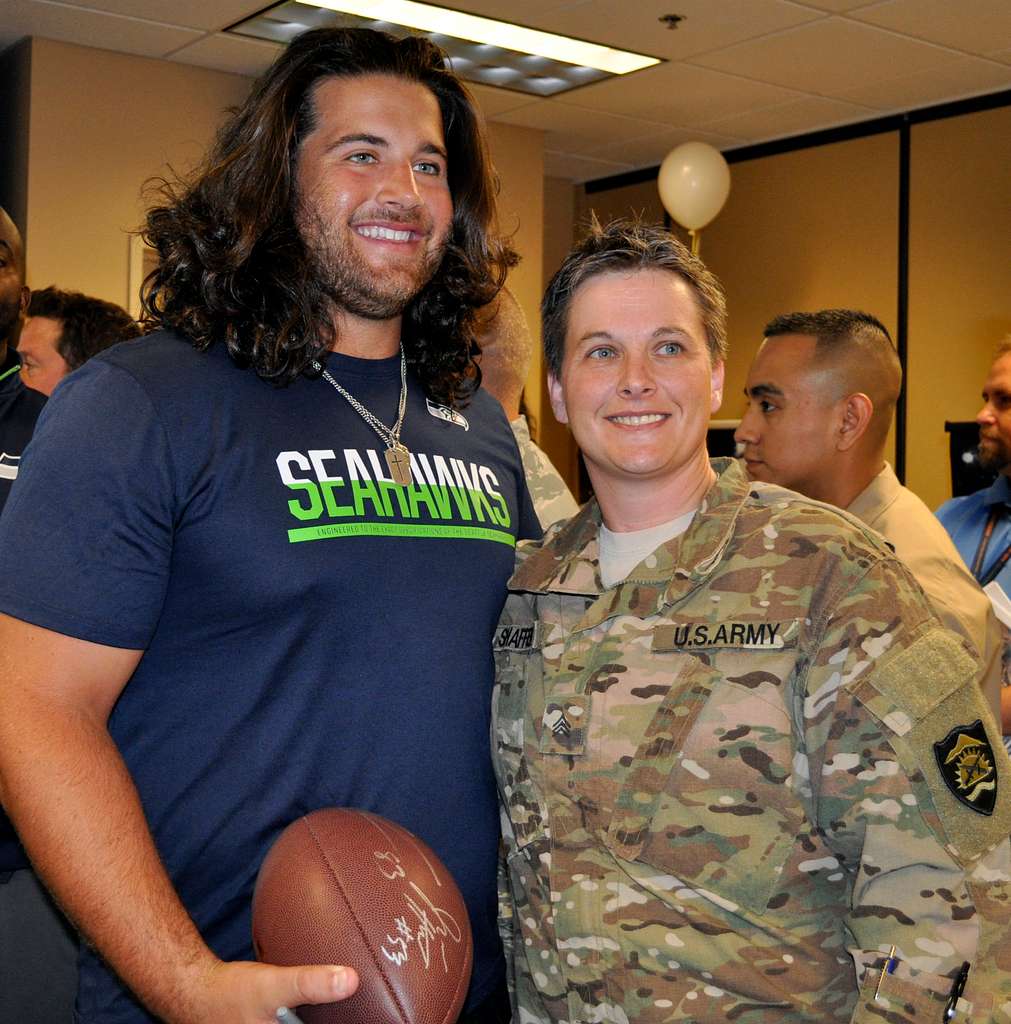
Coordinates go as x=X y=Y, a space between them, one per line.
x=269 y=541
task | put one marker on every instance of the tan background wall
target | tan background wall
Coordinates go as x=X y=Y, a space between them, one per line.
x=101 y=124
x=959 y=280
x=559 y=227
x=640 y=200
x=812 y=229
x=518 y=155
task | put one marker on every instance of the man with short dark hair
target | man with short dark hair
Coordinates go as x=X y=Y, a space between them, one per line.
x=63 y=331
x=255 y=560
x=979 y=524
x=19 y=407
x=743 y=777
x=821 y=396
x=506 y=353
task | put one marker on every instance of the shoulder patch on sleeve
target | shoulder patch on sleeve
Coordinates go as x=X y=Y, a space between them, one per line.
x=968 y=766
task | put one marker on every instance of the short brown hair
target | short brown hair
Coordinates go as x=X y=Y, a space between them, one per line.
x=87 y=325
x=630 y=244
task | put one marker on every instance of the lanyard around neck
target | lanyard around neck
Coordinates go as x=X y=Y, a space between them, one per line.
x=997 y=513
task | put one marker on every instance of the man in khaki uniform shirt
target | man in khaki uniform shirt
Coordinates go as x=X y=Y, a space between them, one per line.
x=821 y=397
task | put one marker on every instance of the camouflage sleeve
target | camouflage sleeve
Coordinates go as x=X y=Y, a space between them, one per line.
x=551 y=496
x=904 y=769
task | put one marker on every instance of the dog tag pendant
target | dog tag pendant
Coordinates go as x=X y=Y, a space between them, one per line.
x=398 y=459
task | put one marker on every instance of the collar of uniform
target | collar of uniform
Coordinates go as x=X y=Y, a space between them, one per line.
x=998 y=493
x=876 y=496
x=568 y=560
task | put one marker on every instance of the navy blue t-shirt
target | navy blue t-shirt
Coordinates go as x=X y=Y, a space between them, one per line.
x=313 y=634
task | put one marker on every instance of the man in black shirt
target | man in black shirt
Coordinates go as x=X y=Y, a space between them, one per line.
x=19 y=407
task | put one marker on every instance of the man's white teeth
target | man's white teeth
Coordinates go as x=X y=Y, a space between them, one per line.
x=387 y=234
x=638 y=421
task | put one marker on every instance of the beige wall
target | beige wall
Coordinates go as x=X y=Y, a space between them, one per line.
x=518 y=155
x=559 y=228
x=807 y=230
x=959 y=280
x=101 y=124
x=640 y=200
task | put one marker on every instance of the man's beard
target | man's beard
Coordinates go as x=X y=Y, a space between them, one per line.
x=354 y=285
x=993 y=454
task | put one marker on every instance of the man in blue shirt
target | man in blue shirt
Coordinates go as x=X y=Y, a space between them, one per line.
x=980 y=523
x=254 y=560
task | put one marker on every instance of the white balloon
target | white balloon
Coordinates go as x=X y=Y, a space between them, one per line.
x=694 y=182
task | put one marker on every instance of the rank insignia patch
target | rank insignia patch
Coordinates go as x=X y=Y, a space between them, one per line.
x=966 y=760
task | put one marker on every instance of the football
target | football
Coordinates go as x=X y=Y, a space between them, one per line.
x=343 y=886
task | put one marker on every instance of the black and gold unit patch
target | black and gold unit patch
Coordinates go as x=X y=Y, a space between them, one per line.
x=966 y=760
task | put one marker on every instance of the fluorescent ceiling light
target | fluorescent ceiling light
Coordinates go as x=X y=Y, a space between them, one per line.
x=426 y=18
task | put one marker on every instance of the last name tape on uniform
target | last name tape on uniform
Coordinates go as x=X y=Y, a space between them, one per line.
x=756 y=636
x=519 y=637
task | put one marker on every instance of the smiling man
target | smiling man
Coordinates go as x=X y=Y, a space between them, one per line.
x=255 y=560
x=737 y=756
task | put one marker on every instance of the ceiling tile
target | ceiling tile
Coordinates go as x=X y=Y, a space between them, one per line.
x=707 y=25
x=200 y=14
x=85 y=27
x=580 y=168
x=497 y=101
x=518 y=11
x=969 y=25
x=678 y=94
x=962 y=76
x=650 y=150
x=576 y=129
x=809 y=113
x=223 y=52
x=827 y=57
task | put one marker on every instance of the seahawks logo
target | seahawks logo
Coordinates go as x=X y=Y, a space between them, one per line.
x=968 y=767
x=442 y=412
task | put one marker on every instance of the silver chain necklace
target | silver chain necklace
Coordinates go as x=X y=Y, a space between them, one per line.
x=398 y=458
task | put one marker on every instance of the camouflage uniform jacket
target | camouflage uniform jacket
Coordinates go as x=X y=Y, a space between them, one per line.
x=734 y=780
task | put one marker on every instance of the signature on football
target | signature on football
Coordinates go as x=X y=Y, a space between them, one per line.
x=423 y=928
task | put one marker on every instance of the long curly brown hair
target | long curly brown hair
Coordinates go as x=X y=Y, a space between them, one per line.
x=233 y=266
